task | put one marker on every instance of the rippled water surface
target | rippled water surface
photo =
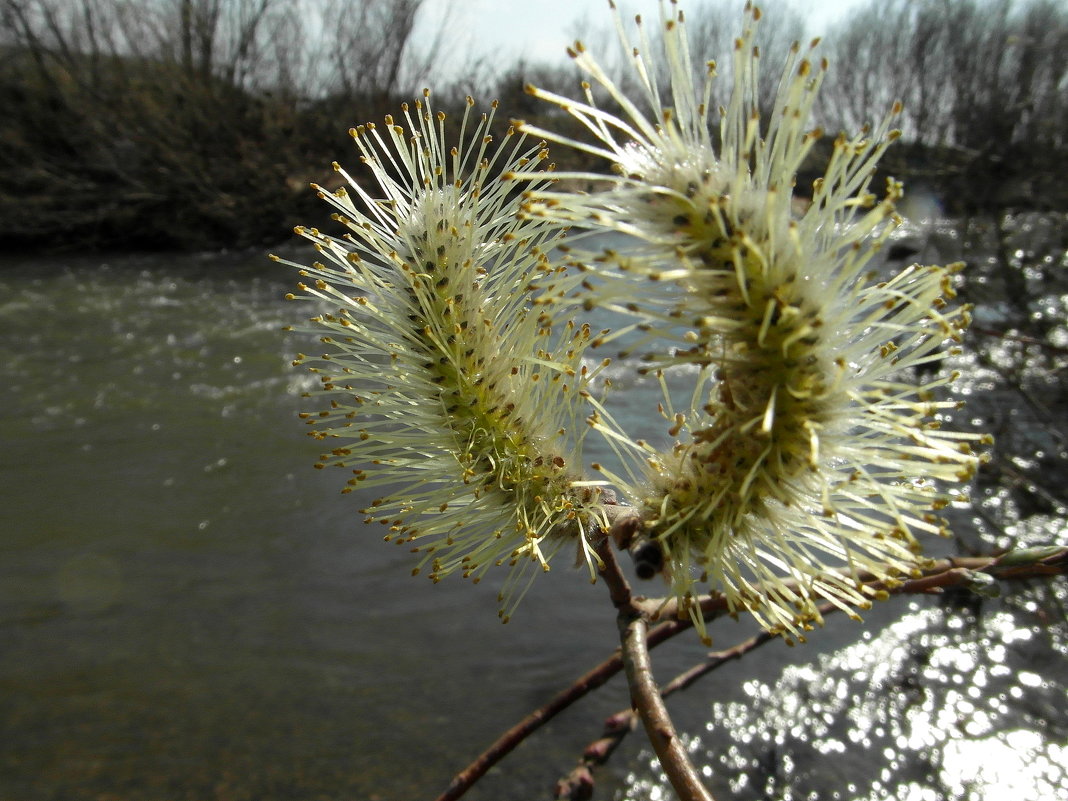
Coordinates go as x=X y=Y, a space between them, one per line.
x=189 y=611
x=961 y=697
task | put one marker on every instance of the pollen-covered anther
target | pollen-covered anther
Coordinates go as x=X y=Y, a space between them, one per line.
x=433 y=278
x=766 y=309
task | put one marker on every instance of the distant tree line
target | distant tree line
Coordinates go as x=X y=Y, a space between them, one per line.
x=985 y=88
x=199 y=123
x=186 y=123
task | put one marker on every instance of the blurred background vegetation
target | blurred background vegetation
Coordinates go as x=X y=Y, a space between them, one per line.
x=198 y=124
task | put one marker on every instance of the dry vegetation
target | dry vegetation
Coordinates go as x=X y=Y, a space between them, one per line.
x=198 y=123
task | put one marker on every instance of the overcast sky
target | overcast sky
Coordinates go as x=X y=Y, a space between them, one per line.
x=540 y=30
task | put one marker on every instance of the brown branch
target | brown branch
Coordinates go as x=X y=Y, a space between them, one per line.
x=618 y=588
x=1025 y=340
x=645 y=695
x=588 y=682
x=504 y=744
x=579 y=783
x=720 y=658
x=938 y=575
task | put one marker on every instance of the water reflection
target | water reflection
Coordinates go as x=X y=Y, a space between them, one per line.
x=962 y=697
x=942 y=704
x=188 y=610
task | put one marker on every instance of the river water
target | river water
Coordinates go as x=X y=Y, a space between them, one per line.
x=189 y=611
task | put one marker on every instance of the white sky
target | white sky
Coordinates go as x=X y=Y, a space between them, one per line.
x=540 y=30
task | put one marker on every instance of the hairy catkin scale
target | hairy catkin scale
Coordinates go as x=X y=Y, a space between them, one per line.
x=809 y=451
x=443 y=388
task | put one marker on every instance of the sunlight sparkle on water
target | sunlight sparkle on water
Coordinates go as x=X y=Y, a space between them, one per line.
x=917 y=711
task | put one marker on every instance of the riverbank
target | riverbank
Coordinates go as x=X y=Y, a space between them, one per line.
x=106 y=152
